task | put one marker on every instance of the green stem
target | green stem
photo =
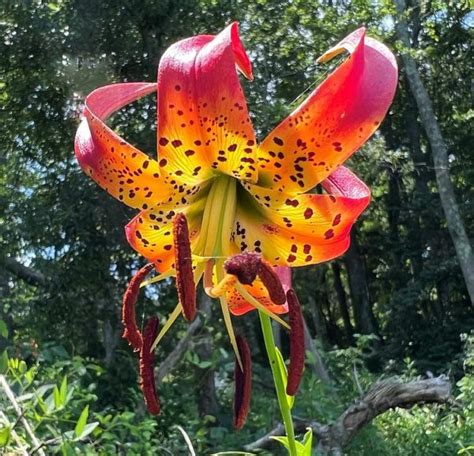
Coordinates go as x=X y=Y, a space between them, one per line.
x=279 y=383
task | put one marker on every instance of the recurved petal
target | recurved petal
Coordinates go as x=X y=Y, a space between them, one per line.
x=238 y=305
x=334 y=121
x=297 y=230
x=203 y=121
x=118 y=167
x=150 y=233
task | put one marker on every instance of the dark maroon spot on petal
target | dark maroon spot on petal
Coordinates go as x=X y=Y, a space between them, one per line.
x=189 y=152
x=232 y=148
x=291 y=258
x=293 y=203
x=278 y=141
x=329 y=234
x=308 y=213
x=163 y=162
x=163 y=141
x=337 y=220
x=176 y=143
x=177 y=87
x=306 y=249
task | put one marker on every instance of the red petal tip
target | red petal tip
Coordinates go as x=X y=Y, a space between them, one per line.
x=241 y=58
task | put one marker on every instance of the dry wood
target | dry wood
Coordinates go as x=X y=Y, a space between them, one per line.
x=383 y=396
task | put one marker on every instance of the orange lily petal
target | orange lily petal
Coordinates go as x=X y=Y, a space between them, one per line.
x=239 y=305
x=203 y=121
x=297 y=230
x=334 y=121
x=150 y=233
x=118 y=167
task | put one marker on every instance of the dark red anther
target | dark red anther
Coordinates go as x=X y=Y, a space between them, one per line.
x=131 y=331
x=147 y=364
x=184 y=267
x=297 y=351
x=244 y=266
x=243 y=384
x=272 y=283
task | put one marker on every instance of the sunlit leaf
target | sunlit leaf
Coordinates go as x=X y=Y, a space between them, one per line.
x=284 y=375
x=81 y=422
x=5 y=433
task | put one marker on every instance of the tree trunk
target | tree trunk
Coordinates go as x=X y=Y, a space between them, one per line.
x=341 y=298
x=317 y=364
x=206 y=391
x=440 y=156
x=363 y=315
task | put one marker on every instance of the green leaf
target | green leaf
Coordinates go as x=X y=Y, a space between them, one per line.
x=4 y=362
x=3 y=329
x=88 y=429
x=302 y=449
x=67 y=450
x=63 y=390
x=284 y=375
x=22 y=367
x=308 y=442
x=81 y=422
x=5 y=433
x=232 y=453
x=57 y=397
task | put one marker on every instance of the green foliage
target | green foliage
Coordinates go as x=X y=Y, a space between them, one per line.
x=60 y=346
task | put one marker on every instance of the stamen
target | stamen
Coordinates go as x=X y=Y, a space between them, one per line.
x=184 y=267
x=220 y=289
x=297 y=350
x=147 y=361
x=131 y=331
x=169 y=322
x=158 y=278
x=272 y=283
x=243 y=383
x=258 y=305
x=244 y=266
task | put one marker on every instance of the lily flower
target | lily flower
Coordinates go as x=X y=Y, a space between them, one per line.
x=213 y=192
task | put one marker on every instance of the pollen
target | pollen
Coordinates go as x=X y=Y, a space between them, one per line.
x=297 y=349
x=184 y=267
x=243 y=384
x=131 y=332
x=147 y=365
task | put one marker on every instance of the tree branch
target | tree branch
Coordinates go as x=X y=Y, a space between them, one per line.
x=170 y=361
x=383 y=396
x=25 y=273
x=19 y=412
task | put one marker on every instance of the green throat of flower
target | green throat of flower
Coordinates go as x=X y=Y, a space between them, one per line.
x=218 y=219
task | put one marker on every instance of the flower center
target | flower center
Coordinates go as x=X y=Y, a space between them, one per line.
x=218 y=219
